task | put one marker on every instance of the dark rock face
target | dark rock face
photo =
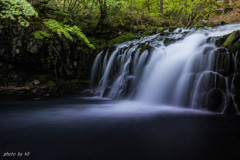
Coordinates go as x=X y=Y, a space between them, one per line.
x=215 y=100
x=225 y=94
x=223 y=61
x=20 y=50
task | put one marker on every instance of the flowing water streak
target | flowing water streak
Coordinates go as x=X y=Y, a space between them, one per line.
x=175 y=74
x=94 y=67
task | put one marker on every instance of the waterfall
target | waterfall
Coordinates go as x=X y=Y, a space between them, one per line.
x=180 y=68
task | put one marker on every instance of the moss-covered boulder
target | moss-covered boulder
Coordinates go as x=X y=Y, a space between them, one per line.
x=160 y=30
x=210 y=24
x=122 y=38
x=219 y=41
x=233 y=42
x=169 y=41
x=144 y=47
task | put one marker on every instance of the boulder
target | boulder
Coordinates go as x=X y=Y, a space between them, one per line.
x=232 y=43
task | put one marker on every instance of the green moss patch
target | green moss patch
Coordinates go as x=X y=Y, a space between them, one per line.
x=231 y=39
x=122 y=38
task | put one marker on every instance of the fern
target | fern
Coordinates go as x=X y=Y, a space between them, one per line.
x=17 y=10
x=42 y=34
x=58 y=28
x=78 y=32
x=61 y=29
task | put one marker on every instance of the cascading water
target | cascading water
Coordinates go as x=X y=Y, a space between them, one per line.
x=180 y=68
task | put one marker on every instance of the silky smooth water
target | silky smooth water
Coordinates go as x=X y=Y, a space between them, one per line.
x=96 y=129
x=161 y=73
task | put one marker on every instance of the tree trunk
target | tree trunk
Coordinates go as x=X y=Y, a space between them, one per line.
x=103 y=14
x=161 y=7
x=148 y=6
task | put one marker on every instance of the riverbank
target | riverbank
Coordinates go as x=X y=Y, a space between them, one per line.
x=26 y=84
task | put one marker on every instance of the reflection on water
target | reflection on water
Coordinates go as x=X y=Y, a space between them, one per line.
x=35 y=113
x=95 y=129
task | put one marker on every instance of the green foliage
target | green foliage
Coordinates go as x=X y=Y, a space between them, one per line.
x=58 y=28
x=78 y=32
x=42 y=34
x=198 y=25
x=126 y=14
x=64 y=17
x=61 y=29
x=17 y=10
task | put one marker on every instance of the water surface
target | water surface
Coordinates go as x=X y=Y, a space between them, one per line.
x=89 y=129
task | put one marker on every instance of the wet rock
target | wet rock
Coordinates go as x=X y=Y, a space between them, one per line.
x=223 y=61
x=237 y=101
x=222 y=23
x=215 y=100
x=233 y=42
x=144 y=47
x=236 y=84
x=172 y=29
x=160 y=30
x=169 y=41
x=220 y=40
x=231 y=108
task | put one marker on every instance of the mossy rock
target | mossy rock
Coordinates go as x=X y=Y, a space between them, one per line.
x=231 y=39
x=144 y=47
x=99 y=43
x=211 y=24
x=232 y=42
x=219 y=40
x=169 y=41
x=121 y=39
x=148 y=33
x=172 y=29
x=160 y=30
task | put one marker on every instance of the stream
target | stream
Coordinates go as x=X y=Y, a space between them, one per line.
x=150 y=101
x=101 y=129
